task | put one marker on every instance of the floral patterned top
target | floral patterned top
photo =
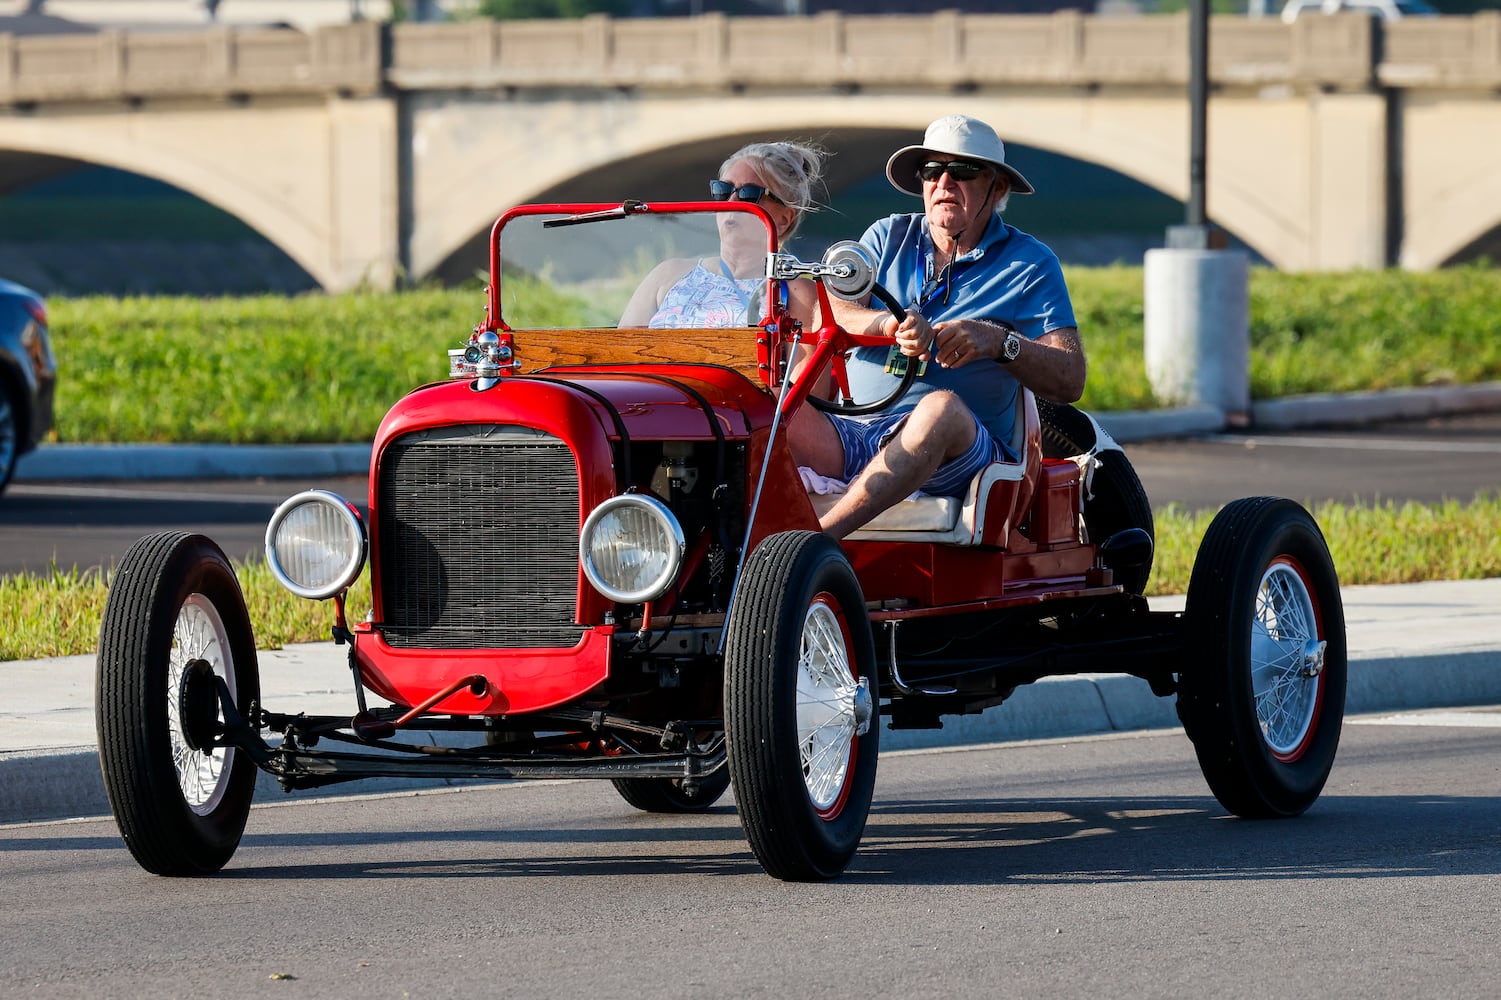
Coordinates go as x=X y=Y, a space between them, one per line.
x=702 y=298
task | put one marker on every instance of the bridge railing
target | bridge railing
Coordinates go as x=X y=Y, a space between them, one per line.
x=119 y=65
x=942 y=50
x=946 y=49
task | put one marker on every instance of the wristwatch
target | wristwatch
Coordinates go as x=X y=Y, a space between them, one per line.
x=1011 y=348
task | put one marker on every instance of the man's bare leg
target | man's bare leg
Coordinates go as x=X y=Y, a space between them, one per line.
x=815 y=443
x=940 y=428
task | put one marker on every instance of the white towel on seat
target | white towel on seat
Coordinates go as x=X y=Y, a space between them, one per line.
x=822 y=485
x=825 y=485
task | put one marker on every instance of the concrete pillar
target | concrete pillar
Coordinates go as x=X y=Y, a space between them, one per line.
x=363 y=220
x=1198 y=347
x=1349 y=163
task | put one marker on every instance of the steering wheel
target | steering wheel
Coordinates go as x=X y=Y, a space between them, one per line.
x=853 y=256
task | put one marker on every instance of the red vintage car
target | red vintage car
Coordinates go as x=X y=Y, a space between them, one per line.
x=593 y=556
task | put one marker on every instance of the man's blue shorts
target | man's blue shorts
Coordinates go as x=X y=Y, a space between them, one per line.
x=862 y=439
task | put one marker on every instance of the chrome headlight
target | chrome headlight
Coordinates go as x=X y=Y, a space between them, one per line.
x=631 y=548
x=316 y=544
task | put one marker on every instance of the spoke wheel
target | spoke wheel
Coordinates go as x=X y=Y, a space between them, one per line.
x=1287 y=657
x=174 y=626
x=800 y=706
x=1262 y=692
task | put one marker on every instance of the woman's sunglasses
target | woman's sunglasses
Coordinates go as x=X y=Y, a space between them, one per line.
x=959 y=170
x=723 y=190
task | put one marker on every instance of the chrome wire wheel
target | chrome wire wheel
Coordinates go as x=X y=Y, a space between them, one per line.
x=828 y=708
x=198 y=634
x=1287 y=660
x=1262 y=689
x=175 y=627
x=800 y=697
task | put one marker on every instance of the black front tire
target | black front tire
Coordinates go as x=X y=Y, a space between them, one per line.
x=1262 y=691
x=800 y=706
x=666 y=795
x=174 y=604
x=1116 y=499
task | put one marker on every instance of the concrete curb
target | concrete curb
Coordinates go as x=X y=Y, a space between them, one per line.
x=1127 y=426
x=1104 y=703
x=203 y=461
x=65 y=782
x=191 y=461
x=1366 y=407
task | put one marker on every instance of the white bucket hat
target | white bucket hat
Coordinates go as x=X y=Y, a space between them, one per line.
x=954 y=135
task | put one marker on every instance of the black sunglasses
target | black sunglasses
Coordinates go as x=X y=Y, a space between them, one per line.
x=723 y=190
x=959 y=170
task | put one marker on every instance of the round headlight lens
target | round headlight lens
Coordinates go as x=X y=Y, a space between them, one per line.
x=631 y=548
x=316 y=544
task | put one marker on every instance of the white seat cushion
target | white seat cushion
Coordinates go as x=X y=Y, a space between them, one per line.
x=951 y=520
x=919 y=513
x=924 y=518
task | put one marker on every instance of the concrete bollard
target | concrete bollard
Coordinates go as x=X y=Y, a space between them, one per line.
x=1197 y=328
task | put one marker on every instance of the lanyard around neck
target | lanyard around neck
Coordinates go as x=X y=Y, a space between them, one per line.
x=925 y=285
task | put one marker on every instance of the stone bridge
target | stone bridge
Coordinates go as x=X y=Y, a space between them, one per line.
x=367 y=152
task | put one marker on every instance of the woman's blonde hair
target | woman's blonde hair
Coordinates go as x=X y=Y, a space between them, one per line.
x=791 y=170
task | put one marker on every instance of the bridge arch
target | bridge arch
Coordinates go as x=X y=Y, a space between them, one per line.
x=498 y=155
x=268 y=165
x=353 y=188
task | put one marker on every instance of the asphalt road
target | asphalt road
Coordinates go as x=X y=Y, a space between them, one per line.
x=87 y=525
x=1089 y=868
x=92 y=524
x=1452 y=458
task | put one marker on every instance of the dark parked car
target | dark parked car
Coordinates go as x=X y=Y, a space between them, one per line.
x=28 y=374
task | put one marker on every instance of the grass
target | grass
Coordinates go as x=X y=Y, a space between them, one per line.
x=309 y=369
x=324 y=368
x=59 y=613
x=1381 y=543
x=1311 y=332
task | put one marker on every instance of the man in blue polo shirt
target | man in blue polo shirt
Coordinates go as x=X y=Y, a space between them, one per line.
x=987 y=311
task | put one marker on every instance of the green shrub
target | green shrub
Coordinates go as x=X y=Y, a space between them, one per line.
x=324 y=368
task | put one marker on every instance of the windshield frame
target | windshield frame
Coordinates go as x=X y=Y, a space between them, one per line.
x=605 y=213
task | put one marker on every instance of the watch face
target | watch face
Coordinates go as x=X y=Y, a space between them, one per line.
x=1012 y=348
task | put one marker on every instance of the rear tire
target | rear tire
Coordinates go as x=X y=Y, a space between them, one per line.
x=1117 y=501
x=175 y=610
x=800 y=686
x=1263 y=696
x=666 y=795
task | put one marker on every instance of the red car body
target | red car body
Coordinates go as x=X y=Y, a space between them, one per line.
x=506 y=502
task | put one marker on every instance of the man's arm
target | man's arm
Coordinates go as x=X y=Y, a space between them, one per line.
x=1053 y=365
x=912 y=334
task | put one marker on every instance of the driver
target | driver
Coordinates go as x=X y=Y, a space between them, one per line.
x=987 y=311
x=730 y=290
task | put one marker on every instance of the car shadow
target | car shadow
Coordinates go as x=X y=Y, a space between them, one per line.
x=1089 y=841
x=965 y=842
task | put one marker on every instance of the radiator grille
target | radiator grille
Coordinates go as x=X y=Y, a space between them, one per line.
x=479 y=540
